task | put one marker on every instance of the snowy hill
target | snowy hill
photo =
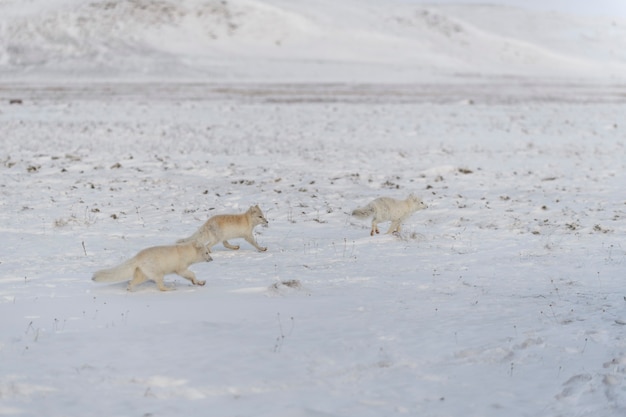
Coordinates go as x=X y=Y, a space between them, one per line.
x=320 y=40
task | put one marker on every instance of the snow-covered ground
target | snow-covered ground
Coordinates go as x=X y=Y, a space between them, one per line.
x=504 y=297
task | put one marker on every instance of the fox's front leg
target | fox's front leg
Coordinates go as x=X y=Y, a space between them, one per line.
x=190 y=276
x=394 y=228
x=161 y=284
x=250 y=240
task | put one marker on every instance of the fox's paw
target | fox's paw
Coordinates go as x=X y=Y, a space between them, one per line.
x=164 y=287
x=200 y=283
x=263 y=249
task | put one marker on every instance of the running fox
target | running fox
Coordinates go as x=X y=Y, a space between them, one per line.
x=222 y=227
x=385 y=209
x=156 y=262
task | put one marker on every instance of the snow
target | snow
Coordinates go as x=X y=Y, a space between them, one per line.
x=504 y=297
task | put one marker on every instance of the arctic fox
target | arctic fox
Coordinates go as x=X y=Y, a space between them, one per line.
x=385 y=209
x=156 y=262
x=222 y=227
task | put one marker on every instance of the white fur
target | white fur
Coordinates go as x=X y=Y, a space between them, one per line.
x=222 y=227
x=156 y=262
x=385 y=209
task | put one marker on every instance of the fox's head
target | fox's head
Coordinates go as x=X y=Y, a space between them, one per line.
x=203 y=251
x=256 y=215
x=416 y=202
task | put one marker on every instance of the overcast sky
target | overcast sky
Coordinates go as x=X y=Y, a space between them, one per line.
x=586 y=7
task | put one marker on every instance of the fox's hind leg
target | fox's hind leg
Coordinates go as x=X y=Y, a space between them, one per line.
x=138 y=278
x=374 y=228
x=185 y=273
x=229 y=246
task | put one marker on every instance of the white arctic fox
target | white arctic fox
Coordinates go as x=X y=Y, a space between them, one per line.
x=385 y=209
x=156 y=262
x=222 y=227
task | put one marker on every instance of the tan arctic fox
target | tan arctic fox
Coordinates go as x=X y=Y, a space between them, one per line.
x=156 y=262
x=222 y=227
x=385 y=209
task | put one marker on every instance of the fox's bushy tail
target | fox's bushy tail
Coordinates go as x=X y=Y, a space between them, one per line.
x=199 y=236
x=190 y=239
x=363 y=212
x=121 y=272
